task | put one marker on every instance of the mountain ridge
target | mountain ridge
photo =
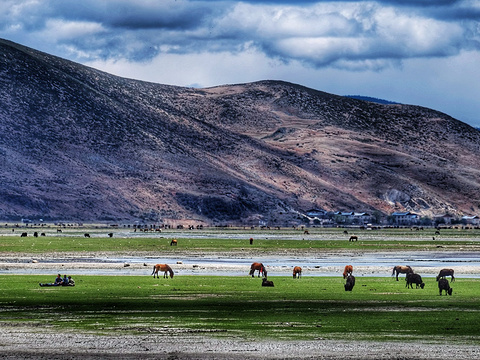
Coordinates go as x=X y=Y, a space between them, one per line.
x=83 y=144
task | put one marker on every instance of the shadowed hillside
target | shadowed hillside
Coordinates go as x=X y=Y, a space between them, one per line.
x=81 y=144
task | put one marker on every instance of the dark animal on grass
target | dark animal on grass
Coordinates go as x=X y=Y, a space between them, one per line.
x=42 y=234
x=345 y=232
x=347 y=271
x=266 y=282
x=173 y=242
x=297 y=272
x=350 y=283
x=87 y=235
x=400 y=269
x=353 y=238
x=35 y=234
x=446 y=272
x=24 y=234
x=413 y=278
x=110 y=234
x=306 y=232
x=251 y=241
x=444 y=285
x=162 y=267
x=257 y=267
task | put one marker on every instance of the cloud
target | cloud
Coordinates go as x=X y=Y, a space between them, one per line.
x=351 y=34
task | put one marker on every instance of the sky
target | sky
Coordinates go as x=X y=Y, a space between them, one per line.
x=420 y=52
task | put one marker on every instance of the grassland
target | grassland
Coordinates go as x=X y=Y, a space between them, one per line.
x=235 y=240
x=308 y=308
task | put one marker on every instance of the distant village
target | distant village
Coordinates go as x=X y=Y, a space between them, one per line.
x=325 y=218
x=309 y=218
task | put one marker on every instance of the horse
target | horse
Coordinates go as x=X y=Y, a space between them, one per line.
x=162 y=267
x=400 y=269
x=297 y=272
x=347 y=271
x=87 y=235
x=173 y=242
x=258 y=266
x=446 y=272
x=353 y=238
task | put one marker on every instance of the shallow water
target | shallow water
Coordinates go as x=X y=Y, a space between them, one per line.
x=465 y=264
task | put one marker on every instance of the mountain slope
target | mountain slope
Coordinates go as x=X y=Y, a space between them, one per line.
x=81 y=144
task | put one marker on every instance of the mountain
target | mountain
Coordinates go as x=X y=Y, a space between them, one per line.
x=81 y=144
x=372 y=99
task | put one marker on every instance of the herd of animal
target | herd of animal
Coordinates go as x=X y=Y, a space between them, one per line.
x=410 y=276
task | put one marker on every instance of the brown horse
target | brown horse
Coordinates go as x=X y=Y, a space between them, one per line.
x=162 y=267
x=297 y=272
x=173 y=242
x=400 y=269
x=347 y=271
x=353 y=238
x=258 y=266
x=446 y=272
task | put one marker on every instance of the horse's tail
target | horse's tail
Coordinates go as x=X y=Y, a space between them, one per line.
x=154 y=267
x=264 y=271
x=453 y=277
x=171 y=273
x=393 y=272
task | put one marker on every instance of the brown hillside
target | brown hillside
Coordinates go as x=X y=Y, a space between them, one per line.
x=80 y=144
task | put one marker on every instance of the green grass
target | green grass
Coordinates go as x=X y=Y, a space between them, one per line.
x=161 y=243
x=308 y=308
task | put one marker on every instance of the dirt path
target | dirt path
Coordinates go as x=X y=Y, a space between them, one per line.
x=18 y=343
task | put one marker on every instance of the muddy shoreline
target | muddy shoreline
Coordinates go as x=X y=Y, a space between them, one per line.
x=18 y=343
x=427 y=263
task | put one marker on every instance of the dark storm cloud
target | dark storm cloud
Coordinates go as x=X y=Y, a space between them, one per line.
x=344 y=34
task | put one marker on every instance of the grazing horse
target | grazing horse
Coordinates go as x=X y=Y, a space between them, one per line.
x=87 y=235
x=446 y=272
x=297 y=272
x=162 y=267
x=353 y=238
x=399 y=269
x=173 y=242
x=347 y=271
x=258 y=266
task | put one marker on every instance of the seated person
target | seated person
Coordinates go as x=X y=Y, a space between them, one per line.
x=58 y=281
